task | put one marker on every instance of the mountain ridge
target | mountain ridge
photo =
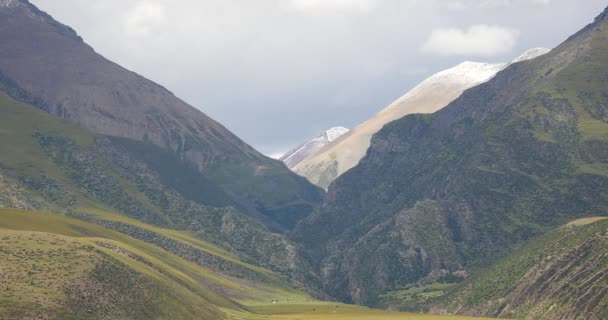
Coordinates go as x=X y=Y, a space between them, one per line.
x=329 y=162
x=53 y=69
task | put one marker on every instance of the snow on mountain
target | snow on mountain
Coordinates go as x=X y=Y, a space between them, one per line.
x=431 y=95
x=294 y=156
x=531 y=54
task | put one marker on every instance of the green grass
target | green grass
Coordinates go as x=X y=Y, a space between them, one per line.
x=51 y=275
x=199 y=278
x=50 y=261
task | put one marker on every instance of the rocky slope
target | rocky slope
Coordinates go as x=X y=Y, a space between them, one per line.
x=438 y=193
x=434 y=93
x=303 y=151
x=45 y=63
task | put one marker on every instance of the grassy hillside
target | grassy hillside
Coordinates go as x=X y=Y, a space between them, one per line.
x=50 y=260
x=71 y=277
x=561 y=275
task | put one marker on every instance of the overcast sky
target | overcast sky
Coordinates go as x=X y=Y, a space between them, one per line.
x=279 y=72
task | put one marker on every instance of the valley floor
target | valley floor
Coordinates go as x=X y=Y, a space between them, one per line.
x=314 y=310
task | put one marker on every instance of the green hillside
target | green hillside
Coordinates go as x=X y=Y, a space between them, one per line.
x=560 y=275
x=67 y=269
x=51 y=165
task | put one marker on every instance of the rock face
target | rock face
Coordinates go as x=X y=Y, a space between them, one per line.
x=437 y=193
x=47 y=64
x=303 y=151
x=434 y=93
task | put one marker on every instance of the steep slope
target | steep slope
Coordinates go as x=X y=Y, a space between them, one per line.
x=47 y=64
x=434 y=93
x=438 y=193
x=303 y=151
x=48 y=164
x=561 y=275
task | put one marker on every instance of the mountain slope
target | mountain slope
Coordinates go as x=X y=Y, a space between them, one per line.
x=561 y=275
x=432 y=94
x=303 y=151
x=47 y=64
x=50 y=165
x=436 y=194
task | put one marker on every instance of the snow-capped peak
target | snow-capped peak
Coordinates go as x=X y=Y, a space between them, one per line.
x=531 y=54
x=334 y=133
x=469 y=71
x=301 y=152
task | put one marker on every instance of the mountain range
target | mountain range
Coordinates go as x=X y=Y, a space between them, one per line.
x=326 y=164
x=439 y=195
x=120 y=201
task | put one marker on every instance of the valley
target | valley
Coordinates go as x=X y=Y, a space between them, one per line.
x=482 y=193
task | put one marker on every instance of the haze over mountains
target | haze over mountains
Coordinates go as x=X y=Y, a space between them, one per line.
x=325 y=165
x=120 y=201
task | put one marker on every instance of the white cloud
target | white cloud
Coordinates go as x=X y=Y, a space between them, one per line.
x=145 y=18
x=477 y=40
x=360 y=5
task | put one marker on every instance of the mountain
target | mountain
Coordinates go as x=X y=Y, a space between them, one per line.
x=50 y=165
x=123 y=202
x=439 y=194
x=46 y=64
x=303 y=151
x=434 y=93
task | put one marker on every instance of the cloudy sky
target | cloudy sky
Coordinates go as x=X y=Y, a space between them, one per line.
x=278 y=72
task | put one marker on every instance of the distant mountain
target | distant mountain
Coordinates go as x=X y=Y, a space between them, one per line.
x=301 y=152
x=46 y=64
x=437 y=195
x=434 y=93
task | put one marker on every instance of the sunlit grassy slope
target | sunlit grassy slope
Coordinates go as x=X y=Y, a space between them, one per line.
x=57 y=266
x=57 y=253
